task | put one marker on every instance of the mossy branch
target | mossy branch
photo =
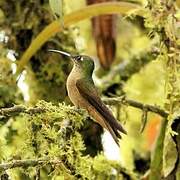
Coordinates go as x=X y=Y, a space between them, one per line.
x=31 y=163
x=74 y=17
x=17 y=109
x=126 y=69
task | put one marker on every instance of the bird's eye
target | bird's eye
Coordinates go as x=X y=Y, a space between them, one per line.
x=79 y=58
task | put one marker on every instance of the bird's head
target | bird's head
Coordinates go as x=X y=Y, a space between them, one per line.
x=82 y=62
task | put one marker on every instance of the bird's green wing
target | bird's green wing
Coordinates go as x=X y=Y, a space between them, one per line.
x=89 y=92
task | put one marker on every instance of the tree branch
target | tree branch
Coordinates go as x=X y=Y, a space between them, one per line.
x=17 y=109
x=128 y=68
x=29 y=163
x=136 y=104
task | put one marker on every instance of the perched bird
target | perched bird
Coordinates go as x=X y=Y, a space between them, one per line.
x=83 y=94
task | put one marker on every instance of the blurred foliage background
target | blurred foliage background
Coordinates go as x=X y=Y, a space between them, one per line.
x=136 y=55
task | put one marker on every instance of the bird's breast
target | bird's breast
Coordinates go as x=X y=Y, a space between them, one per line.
x=80 y=102
x=73 y=92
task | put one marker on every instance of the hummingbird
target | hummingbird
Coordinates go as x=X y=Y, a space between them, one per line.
x=83 y=94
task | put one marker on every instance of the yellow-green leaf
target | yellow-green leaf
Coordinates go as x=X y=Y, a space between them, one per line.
x=169 y=155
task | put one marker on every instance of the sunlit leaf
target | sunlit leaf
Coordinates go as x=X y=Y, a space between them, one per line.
x=169 y=155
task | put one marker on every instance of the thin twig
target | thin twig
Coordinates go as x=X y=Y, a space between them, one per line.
x=38 y=174
x=143 y=120
x=136 y=104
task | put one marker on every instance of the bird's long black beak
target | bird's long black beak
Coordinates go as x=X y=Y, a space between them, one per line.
x=60 y=52
x=75 y=58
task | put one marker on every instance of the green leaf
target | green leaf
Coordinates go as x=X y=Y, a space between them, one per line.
x=170 y=155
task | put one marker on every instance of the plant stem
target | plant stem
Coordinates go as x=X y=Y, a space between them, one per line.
x=156 y=157
x=74 y=17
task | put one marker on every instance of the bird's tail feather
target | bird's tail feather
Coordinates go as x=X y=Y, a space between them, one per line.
x=114 y=132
